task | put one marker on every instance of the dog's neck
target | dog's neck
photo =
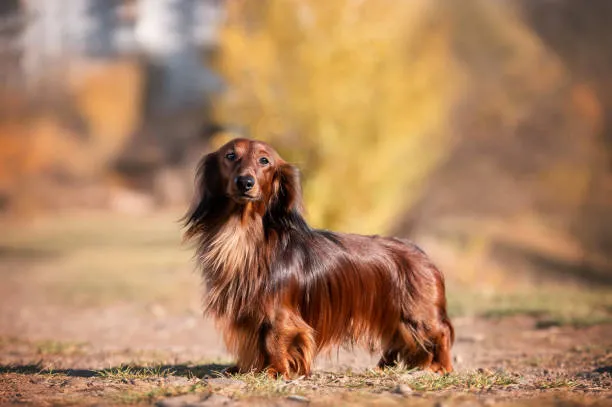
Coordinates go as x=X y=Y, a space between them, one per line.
x=237 y=242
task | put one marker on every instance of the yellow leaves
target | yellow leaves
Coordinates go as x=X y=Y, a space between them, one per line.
x=357 y=93
x=362 y=93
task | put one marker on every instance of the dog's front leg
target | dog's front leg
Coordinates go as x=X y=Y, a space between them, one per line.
x=245 y=338
x=290 y=345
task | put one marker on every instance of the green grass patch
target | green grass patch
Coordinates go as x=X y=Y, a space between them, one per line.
x=462 y=381
x=99 y=260
x=61 y=234
x=260 y=384
x=44 y=347
x=426 y=381
x=553 y=306
x=127 y=372
x=51 y=347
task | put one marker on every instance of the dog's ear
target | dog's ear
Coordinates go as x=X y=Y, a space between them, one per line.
x=207 y=187
x=287 y=192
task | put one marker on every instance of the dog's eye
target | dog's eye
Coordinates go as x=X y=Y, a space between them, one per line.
x=230 y=156
x=264 y=161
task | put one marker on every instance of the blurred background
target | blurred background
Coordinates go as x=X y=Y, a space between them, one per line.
x=481 y=129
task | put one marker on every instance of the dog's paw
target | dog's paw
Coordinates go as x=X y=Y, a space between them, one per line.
x=438 y=368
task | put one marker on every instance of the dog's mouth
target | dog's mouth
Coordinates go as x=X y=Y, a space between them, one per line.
x=244 y=197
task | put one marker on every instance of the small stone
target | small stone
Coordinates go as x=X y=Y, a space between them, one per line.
x=402 y=390
x=297 y=398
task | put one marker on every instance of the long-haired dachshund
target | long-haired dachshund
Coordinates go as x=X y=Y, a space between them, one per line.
x=282 y=291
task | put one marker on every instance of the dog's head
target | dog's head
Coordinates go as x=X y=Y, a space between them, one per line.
x=244 y=172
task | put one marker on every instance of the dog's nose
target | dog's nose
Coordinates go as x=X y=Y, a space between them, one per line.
x=245 y=182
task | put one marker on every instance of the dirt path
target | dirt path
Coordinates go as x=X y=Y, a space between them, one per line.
x=107 y=312
x=118 y=355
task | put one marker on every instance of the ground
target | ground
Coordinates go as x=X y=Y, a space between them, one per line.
x=105 y=310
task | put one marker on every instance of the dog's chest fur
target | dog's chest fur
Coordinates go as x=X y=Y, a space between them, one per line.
x=231 y=267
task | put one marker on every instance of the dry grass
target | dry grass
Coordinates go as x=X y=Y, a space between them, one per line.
x=375 y=381
x=134 y=385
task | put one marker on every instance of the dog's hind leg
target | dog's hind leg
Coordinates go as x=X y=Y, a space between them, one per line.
x=442 y=360
x=388 y=359
x=391 y=350
x=407 y=346
x=428 y=348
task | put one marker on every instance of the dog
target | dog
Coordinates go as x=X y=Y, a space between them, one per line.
x=282 y=292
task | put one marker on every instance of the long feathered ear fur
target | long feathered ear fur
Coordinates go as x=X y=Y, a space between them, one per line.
x=288 y=190
x=205 y=198
x=286 y=207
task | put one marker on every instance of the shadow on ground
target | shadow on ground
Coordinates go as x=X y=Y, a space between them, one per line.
x=604 y=369
x=189 y=371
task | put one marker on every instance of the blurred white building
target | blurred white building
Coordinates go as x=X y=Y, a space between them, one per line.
x=43 y=36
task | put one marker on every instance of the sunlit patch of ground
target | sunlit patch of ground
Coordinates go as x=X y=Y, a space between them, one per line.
x=106 y=310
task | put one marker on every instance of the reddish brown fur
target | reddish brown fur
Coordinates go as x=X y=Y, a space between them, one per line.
x=282 y=292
